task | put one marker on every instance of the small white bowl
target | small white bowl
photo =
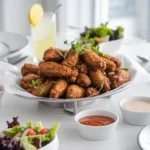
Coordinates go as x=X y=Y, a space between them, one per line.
x=53 y=145
x=96 y=133
x=134 y=117
x=111 y=47
x=1 y=92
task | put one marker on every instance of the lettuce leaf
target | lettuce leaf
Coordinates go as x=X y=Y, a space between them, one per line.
x=26 y=144
x=11 y=132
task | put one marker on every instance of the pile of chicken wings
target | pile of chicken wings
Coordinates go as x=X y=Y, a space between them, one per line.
x=64 y=74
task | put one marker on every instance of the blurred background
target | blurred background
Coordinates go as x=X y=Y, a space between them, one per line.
x=133 y=15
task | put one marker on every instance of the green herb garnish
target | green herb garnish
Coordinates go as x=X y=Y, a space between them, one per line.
x=54 y=82
x=96 y=49
x=33 y=84
x=125 y=69
x=101 y=85
x=104 y=73
x=80 y=45
x=42 y=90
x=63 y=55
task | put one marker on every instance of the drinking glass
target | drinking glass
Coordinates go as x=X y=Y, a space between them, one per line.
x=44 y=34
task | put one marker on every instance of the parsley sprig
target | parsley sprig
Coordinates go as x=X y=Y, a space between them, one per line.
x=54 y=82
x=42 y=90
x=63 y=55
x=125 y=69
x=33 y=84
x=80 y=45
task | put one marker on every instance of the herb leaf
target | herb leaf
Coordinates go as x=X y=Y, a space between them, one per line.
x=64 y=56
x=33 y=84
x=65 y=42
x=42 y=90
x=101 y=84
x=95 y=49
x=54 y=82
x=125 y=69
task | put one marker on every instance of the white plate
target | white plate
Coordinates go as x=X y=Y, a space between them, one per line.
x=111 y=47
x=13 y=87
x=13 y=40
x=144 y=138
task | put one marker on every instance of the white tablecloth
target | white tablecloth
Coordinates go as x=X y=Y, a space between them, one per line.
x=125 y=137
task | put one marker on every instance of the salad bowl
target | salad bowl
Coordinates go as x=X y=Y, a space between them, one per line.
x=29 y=137
x=111 y=47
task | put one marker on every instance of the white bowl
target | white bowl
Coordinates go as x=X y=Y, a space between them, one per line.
x=53 y=145
x=96 y=133
x=132 y=117
x=111 y=47
x=1 y=92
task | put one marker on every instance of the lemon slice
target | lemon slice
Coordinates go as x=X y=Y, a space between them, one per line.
x=35 y=14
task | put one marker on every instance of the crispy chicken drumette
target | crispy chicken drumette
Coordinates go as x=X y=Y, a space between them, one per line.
x=118 y=78
x=26 y=80
x=29 y=68
x=71 y=59
x=53 y=69
x=94 y=61
x=92 y=92
x=43 y=90
x=53 y=54
x=83 y=80
x=59 y=88
x=75 y=91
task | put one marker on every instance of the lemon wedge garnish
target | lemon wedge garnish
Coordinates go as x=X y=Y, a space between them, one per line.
x=35 y=14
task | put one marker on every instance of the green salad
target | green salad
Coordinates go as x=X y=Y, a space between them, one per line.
x=29 y=137
x=103 y=33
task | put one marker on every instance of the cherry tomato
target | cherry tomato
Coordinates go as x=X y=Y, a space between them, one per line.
x=31 y=132
x=43 y=131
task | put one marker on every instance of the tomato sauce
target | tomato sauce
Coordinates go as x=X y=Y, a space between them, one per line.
x=96 y=120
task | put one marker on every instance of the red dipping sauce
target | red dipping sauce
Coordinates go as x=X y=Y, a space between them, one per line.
x=96 y=120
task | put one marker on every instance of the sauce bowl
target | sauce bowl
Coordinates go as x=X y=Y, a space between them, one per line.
x=135 y=117
x=97 y=133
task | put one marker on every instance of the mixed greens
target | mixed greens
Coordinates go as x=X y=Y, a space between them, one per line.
x=32 y=136
x=103 y=33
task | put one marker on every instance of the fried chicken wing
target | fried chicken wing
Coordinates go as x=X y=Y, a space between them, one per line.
x=53 y=69
x=75 y=91
x=29 y=68
x=113 y=59
x=53 y=54
x=92 y=92
x=120 y=77
x=43 y=90
x=94 y=61
x=30 y=90
x=59 y=88
x=83 y=80
x=97 y=77
x=110 y=65
x=72 y=78
x=26 y=80
x=71 y=59
x=106 y=86
x=82 y=68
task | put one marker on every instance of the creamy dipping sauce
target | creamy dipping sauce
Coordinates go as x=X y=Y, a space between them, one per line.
x=137 y=105
x=96 y=120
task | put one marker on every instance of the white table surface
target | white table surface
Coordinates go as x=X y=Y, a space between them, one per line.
x=125 y=137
